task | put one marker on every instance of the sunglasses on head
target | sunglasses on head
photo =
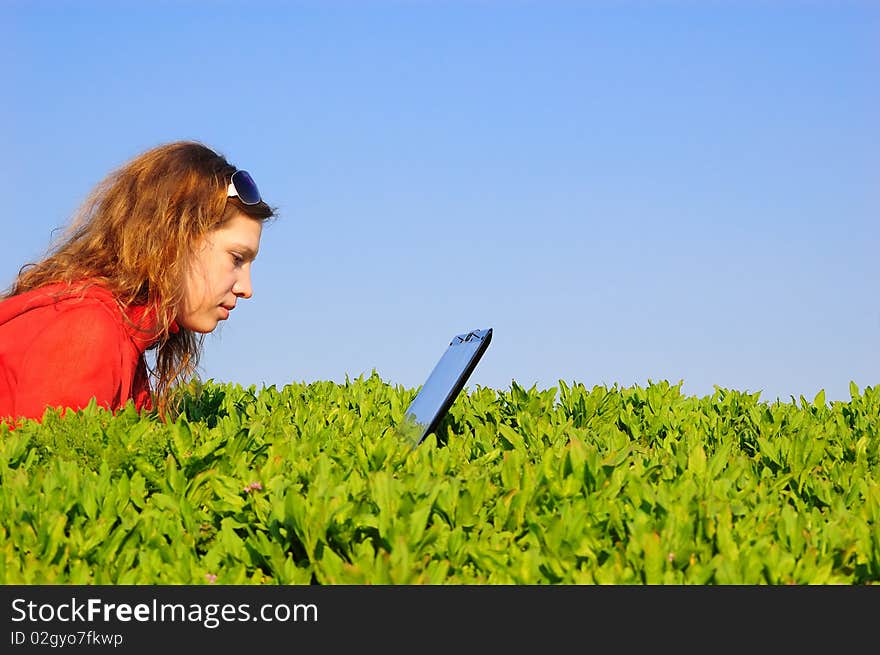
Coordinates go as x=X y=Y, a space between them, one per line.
x=243 y=186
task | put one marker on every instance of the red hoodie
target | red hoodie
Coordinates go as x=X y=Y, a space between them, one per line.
x=63 y=351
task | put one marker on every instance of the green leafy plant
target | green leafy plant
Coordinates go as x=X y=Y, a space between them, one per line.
x=312 y=484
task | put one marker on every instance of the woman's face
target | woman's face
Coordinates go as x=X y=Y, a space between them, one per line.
x=219 y=273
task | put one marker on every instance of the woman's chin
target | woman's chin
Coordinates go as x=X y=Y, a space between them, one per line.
x=201 y=327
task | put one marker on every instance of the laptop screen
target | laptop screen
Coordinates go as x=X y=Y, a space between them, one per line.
x=444 y=384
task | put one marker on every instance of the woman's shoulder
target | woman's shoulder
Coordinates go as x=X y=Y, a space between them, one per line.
x=89 y=302
x=89 y=309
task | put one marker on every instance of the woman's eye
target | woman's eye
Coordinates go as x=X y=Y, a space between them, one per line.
x=237 y=259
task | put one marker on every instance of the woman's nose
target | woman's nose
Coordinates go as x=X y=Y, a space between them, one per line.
x=243 y=287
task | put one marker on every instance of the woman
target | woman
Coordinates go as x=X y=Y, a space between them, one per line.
x=159 y=253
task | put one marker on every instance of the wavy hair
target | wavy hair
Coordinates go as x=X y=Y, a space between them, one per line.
x=134 y=234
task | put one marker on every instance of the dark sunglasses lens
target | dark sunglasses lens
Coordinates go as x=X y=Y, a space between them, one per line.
x=246 y=187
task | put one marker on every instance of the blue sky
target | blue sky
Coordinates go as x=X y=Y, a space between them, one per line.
x=624 y=191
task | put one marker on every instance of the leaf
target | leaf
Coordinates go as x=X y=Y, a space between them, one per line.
x=511 y=437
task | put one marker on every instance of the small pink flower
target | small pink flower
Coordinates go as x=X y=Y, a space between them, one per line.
x=253 y=486
x=211 y=577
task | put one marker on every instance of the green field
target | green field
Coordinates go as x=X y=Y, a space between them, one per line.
x=312 y=484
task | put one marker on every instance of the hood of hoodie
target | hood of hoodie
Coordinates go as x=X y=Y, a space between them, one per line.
x=140 y=322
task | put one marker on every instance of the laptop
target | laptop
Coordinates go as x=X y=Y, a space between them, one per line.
x=443 y=385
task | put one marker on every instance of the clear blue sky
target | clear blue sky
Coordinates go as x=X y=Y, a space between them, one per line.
x=624 y=191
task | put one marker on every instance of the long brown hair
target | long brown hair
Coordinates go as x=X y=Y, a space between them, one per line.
x=134 y=233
